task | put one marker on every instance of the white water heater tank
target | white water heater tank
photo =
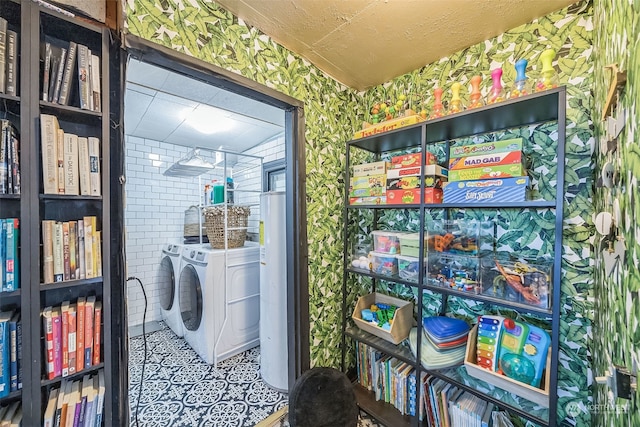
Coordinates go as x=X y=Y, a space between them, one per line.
x=274 y=360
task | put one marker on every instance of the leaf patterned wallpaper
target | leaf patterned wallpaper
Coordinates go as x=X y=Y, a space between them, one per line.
x=617 y=296
x=202 y=29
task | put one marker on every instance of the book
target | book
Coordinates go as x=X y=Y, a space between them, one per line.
x=73 y=319
x=19 y=346
x=71 y=179
x=86 y=385
x=83 y=166
x=64 y=310
x=100 y=399
x=80 y=316
x=97 y=332
x=89 y=307
x=73 y=252
x=8 y=160
x=3 y=252
x=46 y=52
x=49 y=136
x=98 y=249
x=92 y=395
x=3 y=50
x=65 y=250
x=58 y=253
x=61 y=408
x=12 y=259
x=5 y=318
x=95 y=83
x=4 y=162
x=12 y=410
x=12 y=63
x=73 y=409
x=67 y=74
x=88 y=247
x=47 y=321
x=13 y=160
x=60 y=158
x=50 y=411
x=59 y=74
x=56 y=320
x=94 y=165
x=80 y=250
x=83 y=76
x=13 y=352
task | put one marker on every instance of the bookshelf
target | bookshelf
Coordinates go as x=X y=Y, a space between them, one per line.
x=81 y=116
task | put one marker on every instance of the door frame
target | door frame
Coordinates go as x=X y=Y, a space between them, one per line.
x=296 y=232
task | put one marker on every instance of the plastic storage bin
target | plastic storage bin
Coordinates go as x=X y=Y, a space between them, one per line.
x=410 y=244
x=409 y=267
x=523 y=281
x=459 y=272
x=383 y=263
x=386 y=241
x=463 y=237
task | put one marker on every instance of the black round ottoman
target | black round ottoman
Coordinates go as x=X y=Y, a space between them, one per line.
x=323 y=397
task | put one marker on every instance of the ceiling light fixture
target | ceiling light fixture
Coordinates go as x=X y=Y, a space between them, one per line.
x=207 y=120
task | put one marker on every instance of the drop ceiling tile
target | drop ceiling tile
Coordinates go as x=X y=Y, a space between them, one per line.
x=188 y=88
x=145 y=74
x=160 y=120
x=242 y=105
x=135 y=106
x=138 y=88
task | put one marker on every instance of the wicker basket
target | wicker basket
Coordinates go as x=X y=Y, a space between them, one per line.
x=237 y=220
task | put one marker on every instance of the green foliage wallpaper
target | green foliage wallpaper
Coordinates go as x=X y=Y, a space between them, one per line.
x=617 y=295
x=202 y=29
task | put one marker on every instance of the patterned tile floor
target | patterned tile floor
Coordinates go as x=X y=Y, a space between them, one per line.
x=180 y=390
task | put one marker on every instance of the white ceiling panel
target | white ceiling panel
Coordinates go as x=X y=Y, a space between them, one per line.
x=169 y=107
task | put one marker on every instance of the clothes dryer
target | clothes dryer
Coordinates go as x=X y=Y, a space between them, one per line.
x=220 y=300
x=168 y=273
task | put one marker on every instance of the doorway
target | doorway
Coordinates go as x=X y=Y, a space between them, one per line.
x=243 y=98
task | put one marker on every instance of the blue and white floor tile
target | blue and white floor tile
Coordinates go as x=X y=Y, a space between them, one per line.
x=180 y=390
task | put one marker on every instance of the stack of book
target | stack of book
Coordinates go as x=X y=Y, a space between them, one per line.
x=8 y=59
x=59 y=71
x=76 y=403
x=392 y=380
x=9 y=159
x=9 y=254
x=71 y=250
x=10 y=352
x=449 y=406
x=70 y=163
x=72 y=336
x=11 y=414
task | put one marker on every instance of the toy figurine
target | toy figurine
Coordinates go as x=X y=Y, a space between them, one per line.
x=475 y=99
x=438 y=108
x=497 y=91
x=521 y=85
x=456 y=103
x=548 y=78
x=516 y=282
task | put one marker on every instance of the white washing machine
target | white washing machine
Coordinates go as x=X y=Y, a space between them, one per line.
x=220 y=300
x=170 y=263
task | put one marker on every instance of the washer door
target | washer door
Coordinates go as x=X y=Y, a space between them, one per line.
x=190 y=298
x=166 y=283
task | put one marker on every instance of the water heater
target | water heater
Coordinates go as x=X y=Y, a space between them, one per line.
x=274 y=360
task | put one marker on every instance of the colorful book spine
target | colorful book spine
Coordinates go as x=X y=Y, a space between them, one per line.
x=97 y=327
x=12 y=277
x=80 y=310
x=48 y=337
x=56 y=318
x=5 y=317
x=88 y=330
x=65 y=338
x=72 y=338
x=13 y=352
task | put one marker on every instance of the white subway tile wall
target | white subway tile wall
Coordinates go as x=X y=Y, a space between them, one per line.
x=154 y=211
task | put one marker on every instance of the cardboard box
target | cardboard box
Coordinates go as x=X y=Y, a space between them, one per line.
x=412 y=197
x=402 y=320
x=368 y=181
x=379 y=200
x=534 y=394
x=409 y=160
x=410 y=182
x=496 y=159
x=486 y=148
x=488 y=190
x=387 y=126
x=487 y=172
x=368 y=192
x=415 y=171
x=366 y=169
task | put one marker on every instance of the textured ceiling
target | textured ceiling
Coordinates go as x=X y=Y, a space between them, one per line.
x=363 y=43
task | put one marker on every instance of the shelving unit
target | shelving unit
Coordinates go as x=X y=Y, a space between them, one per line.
x=538 y=108
x=33 y=23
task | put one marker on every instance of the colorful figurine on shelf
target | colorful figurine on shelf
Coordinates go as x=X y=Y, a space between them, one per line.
x=548 y=78
x=475 y=98
x=521 y=84
x=438 y=108
x=381 y=111
x=497 y=91
x=455 y=106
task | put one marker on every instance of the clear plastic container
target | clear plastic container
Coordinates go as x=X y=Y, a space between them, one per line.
x=383 y=263
x=386 y=241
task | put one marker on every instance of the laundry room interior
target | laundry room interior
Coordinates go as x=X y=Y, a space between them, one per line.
x=199 y=157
